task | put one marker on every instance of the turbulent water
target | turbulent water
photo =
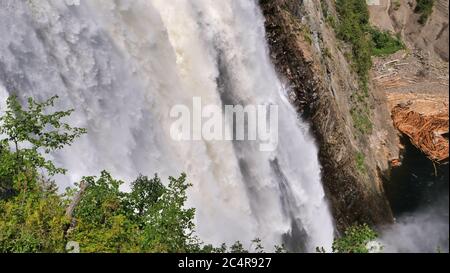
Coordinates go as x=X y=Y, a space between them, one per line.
x=123 y=64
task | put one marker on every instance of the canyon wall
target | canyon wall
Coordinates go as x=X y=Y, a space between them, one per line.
x=321 y=82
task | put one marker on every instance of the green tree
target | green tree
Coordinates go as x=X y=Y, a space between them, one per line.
x=150 y=218
x=29 y=134
x=34 y=220
x=170 y=225
x=101 y=222
x=32 y=214
x=143 y=197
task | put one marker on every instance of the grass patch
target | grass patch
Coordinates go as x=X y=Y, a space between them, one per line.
x=354 y=28
x=361 y=120
x=424 y=8
x=360 y=162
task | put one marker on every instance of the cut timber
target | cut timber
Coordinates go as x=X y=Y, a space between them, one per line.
x=427 y=132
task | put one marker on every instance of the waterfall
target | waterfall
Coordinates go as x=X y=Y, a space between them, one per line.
x=123 y=64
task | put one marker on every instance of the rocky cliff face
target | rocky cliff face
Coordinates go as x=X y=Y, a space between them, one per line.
x=306 y=52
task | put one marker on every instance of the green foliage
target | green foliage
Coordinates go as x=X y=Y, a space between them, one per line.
x=34 y=220
x=33 y=133
x=360 y=162
x=355 y=240
x=144 y=195
x=32 y=214
x=365 y=41
x=29 y=135
x=8 y=170
x=171 y=227
x=361 y=120
x=238 y=247
x=384 y=43
x=151 y=218
x=353 y=28
x=106 y=219
x=101 y=222
x=425 y=9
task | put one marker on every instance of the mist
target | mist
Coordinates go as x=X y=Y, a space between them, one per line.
x=424 y=231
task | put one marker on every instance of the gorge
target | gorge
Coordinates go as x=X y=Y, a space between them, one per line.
x=123 y=65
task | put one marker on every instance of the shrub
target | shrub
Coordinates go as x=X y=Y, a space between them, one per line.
x=383 y=43
x=425 y=9
x=355 y=240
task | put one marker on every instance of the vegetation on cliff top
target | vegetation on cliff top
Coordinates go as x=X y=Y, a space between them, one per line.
x=353 y=27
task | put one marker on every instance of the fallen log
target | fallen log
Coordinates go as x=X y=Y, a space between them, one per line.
x=71 y=208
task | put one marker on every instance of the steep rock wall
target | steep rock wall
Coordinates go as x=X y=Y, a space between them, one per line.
x=305 y=51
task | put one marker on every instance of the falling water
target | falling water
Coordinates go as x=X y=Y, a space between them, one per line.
x=123 y=64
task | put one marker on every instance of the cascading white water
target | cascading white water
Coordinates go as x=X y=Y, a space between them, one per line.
x=123 y=64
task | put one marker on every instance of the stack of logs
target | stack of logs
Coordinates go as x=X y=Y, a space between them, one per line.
x=427 y=133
